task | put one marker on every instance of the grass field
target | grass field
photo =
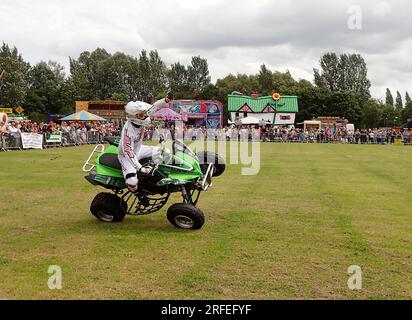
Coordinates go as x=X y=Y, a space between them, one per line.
x=289 y=233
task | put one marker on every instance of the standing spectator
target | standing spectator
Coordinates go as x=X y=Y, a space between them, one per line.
x=371 y=136
x=13 y=128
x=357 y=136
x=14 y=134
x=392 y=136
x=3 y=128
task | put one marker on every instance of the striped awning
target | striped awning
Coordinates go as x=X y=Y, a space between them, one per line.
x=167 y=114
x=83 y=116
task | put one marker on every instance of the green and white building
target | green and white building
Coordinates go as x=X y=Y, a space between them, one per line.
x=281 y=112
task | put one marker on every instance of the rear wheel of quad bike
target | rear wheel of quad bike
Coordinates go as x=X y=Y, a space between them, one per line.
x=206 y=157
x=108 y=207
x=185 y=216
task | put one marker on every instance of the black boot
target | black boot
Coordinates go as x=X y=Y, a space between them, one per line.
x=143 y=199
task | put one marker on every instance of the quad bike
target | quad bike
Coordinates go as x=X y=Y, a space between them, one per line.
x=178 y=171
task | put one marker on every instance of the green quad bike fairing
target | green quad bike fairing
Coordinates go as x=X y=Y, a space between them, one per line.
x=179 y=171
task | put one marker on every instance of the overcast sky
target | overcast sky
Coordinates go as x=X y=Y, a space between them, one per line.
x=236 y=36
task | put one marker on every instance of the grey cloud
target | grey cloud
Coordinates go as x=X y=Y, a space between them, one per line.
x=317 y=23
x=235 y=36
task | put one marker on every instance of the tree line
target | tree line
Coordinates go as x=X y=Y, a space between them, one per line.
x=340 y=88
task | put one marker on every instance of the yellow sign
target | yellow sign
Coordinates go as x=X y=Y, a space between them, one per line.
x=6 y=110
x=276 y=96
x=19 y=110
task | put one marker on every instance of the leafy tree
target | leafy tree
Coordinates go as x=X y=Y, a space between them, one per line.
x=34 y=106
x=389 y=98
x=312 y=102
x=391 y=117
x=371 y=115
x=241 y=83
x=48 y=90
x=399 y=102
x=330 y=76
x=117 y=96
x=102 y=76
x=346 y=104
x=152 y=77
x=341 y=87
x=79 y=70
x=347 y=72
x=355 y=74
x=191 y=81
x=406 y=113
x=407 y=98
x=13 y=83
x=178 y=80
x=281 y=82
x=265 y=80
x=198 y=75
x=158 y=76
x=92 y=75
x=209 y=92
x=143 y=76
x=99 y=75
x=125 y=71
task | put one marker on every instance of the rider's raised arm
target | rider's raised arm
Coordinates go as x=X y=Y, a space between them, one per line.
x=160 y=104
x=156 y=106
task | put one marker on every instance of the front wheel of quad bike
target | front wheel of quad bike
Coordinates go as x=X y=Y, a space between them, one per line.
x=185 y=216
x=108 y=207
x=206 y=157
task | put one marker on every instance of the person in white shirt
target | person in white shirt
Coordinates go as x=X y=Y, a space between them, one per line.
x=13 y=128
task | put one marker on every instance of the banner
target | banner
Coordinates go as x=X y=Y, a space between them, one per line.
x=55 y=137
x=285 y=118
x=6 y=110
x=32 y=140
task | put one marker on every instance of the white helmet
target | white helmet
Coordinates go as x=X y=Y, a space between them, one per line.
x=137 y=112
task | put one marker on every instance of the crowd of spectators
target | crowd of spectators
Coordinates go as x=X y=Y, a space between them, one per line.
x=34 y=127
x=74 y=133
x=282 y=134
x=338 y=135
x=189 y=133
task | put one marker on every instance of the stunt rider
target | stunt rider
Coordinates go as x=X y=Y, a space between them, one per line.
x=131 y=149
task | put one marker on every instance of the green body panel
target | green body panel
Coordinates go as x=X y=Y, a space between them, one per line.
x=184 y=161
x=107 y=171
x=113 y=182
x=181 y=167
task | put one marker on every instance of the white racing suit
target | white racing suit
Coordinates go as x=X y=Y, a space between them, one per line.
x=131 y=149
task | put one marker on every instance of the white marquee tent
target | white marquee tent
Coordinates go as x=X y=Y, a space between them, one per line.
x=249 y=121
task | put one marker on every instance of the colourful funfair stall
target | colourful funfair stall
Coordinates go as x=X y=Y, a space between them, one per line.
x=276 y=109
x=207 y=113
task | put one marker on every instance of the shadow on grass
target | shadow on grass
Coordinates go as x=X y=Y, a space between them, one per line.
x=151 y=224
